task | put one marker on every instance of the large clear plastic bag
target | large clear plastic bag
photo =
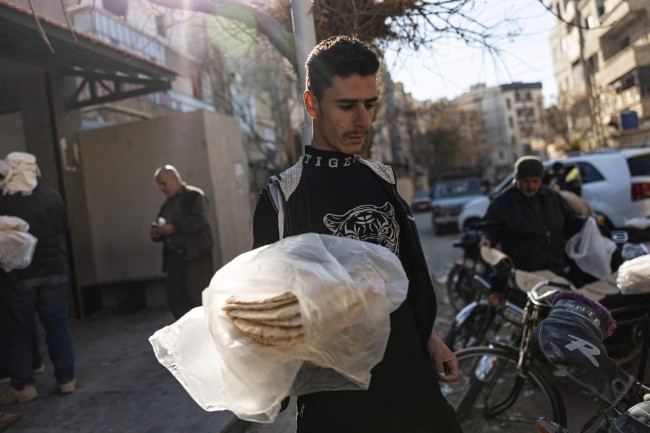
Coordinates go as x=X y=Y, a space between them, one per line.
x=16 y=244
x=346 y=290
x=634 y=276
x=591 y=251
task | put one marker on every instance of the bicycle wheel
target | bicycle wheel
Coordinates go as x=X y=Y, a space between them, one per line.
x=491 y=396
x=459 y=290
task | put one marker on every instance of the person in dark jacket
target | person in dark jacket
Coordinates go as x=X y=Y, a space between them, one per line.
x=530 y=222
x=331 y=190
x=183 y=228
x=40 y=288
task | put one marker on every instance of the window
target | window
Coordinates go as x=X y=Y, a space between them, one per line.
x=508 y=104
x=511 y=122
x=624 y=43
x=588 y=172
x=639 y=165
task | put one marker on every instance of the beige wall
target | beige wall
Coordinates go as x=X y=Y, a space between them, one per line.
x=122 y=197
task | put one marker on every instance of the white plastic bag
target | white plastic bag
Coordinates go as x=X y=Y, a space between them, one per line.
x=591 y=251
x=16 y=244
x=634 y=276
x=346 y=290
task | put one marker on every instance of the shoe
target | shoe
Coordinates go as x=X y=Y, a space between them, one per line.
x=4 y=377
x=68 y=387
x=6 y=419
x=28 y=393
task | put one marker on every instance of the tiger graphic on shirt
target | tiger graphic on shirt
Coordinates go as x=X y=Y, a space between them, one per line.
x=367 y=223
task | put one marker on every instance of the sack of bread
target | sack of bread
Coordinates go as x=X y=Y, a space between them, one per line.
x=308 y=313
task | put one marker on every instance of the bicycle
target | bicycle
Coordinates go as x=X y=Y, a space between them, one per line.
x=497 y=308
x=493 y=379
x=570 y=341
x=502 y=389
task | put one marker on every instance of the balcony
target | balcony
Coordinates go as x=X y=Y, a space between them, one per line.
x=618 y=15
x=622 y=63
x=110 y=29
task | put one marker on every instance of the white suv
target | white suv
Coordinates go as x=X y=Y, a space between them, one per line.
x=615 y=183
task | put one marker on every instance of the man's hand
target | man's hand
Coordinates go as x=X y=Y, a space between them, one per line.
x=443 y=359
x=166 y=230
x=154 y=235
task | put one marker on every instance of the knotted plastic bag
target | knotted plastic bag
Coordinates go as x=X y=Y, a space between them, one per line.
x=16 y=244
x=591 y=251
x=346 y=290
x=634 y=276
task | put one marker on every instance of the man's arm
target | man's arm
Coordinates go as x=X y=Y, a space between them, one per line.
x=265 y=221
x=444 y=361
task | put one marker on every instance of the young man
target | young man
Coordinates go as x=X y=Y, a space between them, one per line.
x=333 y=191
x=183 y=228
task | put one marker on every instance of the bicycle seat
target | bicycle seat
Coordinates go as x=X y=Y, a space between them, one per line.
x=570 y=339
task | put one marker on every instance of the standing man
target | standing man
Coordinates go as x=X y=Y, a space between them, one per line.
x=530 y=222
x=40 y=288
x=331 y=190
x=183 y=228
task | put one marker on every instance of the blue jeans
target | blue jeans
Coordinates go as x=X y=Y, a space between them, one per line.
x=46 y=296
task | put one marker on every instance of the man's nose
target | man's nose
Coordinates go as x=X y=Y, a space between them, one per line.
x=362 y=117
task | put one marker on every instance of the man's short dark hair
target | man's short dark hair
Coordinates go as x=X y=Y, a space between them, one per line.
x=340 y=56
x=557 y=166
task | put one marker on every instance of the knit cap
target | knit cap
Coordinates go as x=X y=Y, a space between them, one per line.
x=528 y=166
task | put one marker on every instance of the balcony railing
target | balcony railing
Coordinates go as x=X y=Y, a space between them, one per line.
x=108 y=28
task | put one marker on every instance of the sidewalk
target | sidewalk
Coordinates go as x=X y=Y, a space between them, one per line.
x=121 y=387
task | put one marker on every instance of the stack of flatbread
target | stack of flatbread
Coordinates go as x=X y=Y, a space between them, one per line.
x=272 y=321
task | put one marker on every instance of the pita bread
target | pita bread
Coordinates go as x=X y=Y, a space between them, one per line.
x=279 y=341
x=257 y=302
x=294 y=321
x=284 y=312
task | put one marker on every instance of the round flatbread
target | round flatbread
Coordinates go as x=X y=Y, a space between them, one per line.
x=294 y=321
x=271 y=335
x=284 y=312
x=258 y=302
x=280 y=341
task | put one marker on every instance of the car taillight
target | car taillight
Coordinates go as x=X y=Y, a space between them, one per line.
x=640 y=191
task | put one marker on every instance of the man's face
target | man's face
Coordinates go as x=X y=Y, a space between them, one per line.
x=168 y=183
x=342 y=117
x=529 y=185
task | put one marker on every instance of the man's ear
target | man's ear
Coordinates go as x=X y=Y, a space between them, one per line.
x=311 y=104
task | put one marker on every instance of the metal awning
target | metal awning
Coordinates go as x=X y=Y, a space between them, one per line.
x=106 y=72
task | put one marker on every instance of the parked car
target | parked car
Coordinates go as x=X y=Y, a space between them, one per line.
x=421 y=201
x=615 y=183
x=449 y=196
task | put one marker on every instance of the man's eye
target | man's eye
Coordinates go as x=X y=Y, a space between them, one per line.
x=346 y=107
x=370 y=105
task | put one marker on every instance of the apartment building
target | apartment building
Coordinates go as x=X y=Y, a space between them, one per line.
x=601 y=56
x=512 y=122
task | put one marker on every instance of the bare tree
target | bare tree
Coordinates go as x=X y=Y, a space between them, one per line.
x=414 y=24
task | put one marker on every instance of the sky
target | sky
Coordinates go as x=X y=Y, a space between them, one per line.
x=450 y=67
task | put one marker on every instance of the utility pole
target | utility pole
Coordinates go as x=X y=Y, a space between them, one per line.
x=305 y=37
x=594 y=107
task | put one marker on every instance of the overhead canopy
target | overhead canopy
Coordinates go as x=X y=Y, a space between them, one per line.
x=108 y=72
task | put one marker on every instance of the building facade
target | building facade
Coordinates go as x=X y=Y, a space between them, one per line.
x=512 y=121
x=602 y=67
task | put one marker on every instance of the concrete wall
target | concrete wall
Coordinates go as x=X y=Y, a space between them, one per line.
x=122 y=197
